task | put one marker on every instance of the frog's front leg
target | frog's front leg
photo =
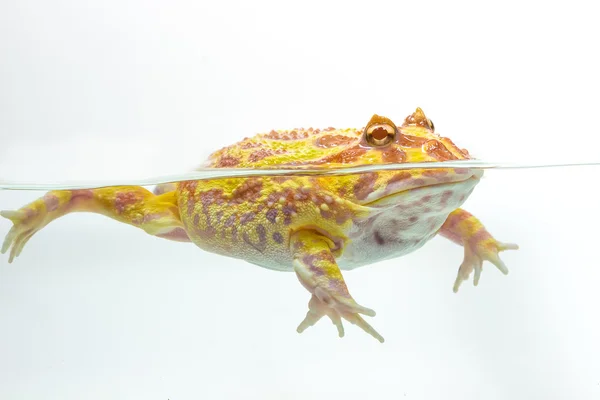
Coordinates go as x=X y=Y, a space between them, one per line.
x=134 y=205
x=463 y=228
x=317 y=270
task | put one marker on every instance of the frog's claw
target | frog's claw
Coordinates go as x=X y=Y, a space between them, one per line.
x=475 y=253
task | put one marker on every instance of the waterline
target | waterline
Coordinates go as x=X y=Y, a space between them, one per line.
x=220 y=173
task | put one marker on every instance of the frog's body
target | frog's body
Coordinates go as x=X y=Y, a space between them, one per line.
x=312 y=225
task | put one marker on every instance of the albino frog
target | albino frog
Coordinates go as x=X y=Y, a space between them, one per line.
x=314 y=226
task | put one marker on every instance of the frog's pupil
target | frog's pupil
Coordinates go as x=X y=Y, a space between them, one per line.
x=379 y=133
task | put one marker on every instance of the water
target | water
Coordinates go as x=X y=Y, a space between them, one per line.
x=95 y=301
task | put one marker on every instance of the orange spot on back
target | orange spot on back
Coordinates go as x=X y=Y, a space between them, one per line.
x=328 y=141
x=410 y=141
x=345 y=156
x=393 y=155
x=438 y=151
x=258 y=155
x=249 y=145
x=298 y=134
x=450 y=144
x=227 y=161
x=273 y=135
x=285 y=135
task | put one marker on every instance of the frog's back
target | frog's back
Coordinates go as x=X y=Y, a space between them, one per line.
x=293 y=147
x=415 y=142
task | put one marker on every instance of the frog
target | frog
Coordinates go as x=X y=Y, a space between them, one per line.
x=313 y=225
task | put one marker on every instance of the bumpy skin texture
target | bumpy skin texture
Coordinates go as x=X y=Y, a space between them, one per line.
x=315 y=226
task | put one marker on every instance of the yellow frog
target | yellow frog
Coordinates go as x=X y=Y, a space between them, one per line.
x=315 y=226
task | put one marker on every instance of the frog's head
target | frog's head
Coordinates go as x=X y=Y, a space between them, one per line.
x=412 y=142
x=381 y=141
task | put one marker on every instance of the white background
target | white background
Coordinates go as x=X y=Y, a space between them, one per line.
x=114 y=89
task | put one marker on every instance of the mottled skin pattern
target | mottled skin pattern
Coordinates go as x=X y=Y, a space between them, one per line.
x=315 y=226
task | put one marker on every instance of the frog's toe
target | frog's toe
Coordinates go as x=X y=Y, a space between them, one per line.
x=316 y=311
x=464 y=271
x=476 y=254
x=18 y=235
x=357 y=320
x=492 y=255
x=336 y=311
x=15 y=242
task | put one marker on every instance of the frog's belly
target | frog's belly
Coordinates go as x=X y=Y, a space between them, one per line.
x=402 y=223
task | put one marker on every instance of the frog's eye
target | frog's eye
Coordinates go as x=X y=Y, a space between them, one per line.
x=431 y=126
x=380 y=134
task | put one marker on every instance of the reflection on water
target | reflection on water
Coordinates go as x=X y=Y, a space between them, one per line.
x=91 y=298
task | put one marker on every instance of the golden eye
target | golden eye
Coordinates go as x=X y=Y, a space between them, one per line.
x=431 y=126
x=380 y=134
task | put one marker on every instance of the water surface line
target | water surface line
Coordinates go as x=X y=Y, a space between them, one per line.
x=223 y=173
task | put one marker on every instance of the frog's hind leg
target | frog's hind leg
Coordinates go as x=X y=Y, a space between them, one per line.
x=479 y=245
x=134 y=205
x=318 y=272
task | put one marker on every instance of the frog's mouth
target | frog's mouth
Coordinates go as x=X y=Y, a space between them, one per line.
x=435 y=187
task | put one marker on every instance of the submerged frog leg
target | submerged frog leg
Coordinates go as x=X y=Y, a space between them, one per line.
x=463 y=228
x=134 y=205
x=318 y=272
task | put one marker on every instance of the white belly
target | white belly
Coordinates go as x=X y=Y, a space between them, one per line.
x=402 y=223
